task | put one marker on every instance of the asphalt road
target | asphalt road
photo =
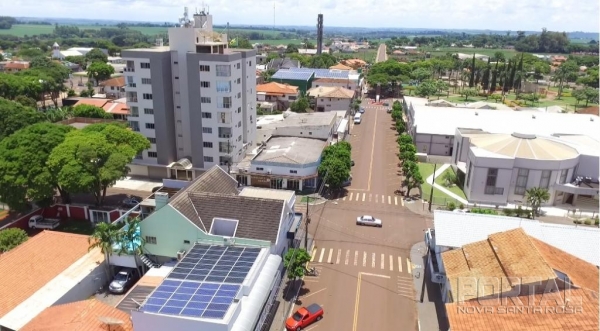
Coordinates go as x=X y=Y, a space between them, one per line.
x=365 y=274
x=381 y=53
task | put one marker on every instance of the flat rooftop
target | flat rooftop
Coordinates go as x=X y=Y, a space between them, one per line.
x=266 y=193
x=445 y=120
x=292 y=150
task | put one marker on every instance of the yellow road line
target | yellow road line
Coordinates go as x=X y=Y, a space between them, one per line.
x=357 y=302
x=408 y=267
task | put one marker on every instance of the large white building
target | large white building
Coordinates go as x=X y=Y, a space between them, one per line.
x=194 y=100
x=502 y=153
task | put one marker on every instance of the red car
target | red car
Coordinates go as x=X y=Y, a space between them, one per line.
x=304 y=317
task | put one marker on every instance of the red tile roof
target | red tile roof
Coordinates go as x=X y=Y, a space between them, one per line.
x=116 y=108
x=92 y=102
x=116 y=82
x=31 y=265
x=277 y=88
x=17 y=65
x=87 y=315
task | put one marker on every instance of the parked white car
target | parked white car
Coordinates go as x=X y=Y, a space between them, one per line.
x=368 y=221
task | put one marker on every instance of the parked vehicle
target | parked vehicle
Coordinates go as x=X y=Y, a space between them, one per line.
x=369 y=221
x=122 y=281
x=304 y=317
x=357 y=118
x=39 y=222
x=361 y=110
x=348 y=182
x=131 y=201
x=386 y=104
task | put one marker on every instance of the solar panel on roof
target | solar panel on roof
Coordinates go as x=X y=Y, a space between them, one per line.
x=206 y=300
x=216 y=264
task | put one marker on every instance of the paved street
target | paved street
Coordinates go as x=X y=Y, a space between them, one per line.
x=365 y=279
x=381 y=53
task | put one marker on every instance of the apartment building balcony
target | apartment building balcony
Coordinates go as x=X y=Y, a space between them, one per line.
x=129 y=69
x=225 y=133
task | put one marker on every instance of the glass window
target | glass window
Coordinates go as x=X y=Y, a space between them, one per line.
x=545 y=181
x=469 y=174
x=224 y=102
x=563 y=176
x=223 y=86
x=135 y=112
x=223 y=70
x=206 y=130
x=206 y=115
x=208 y=159
x=521 y=185
x=490 y=182
x=148 y=111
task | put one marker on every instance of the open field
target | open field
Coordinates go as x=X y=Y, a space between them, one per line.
x=276 y=42
x=21 y=30
x=508 y=53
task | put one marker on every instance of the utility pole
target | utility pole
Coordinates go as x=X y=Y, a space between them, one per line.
x=432 y=183
x=307 y=223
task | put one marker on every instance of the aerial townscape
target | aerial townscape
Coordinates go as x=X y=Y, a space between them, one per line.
x=184 y=173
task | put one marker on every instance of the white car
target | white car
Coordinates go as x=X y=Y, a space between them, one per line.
x=368 y=221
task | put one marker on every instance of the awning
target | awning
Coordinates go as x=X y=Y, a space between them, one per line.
x=343 y=126
x=182 y=164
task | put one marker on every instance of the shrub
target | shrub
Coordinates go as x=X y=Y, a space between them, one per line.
x=461 y=206
x=11 y=238
x=451 y=206
x=508 y=211
x=577 y=221
x=567 y=94
x=519 y=211
x=484 y=211
x=587 y=222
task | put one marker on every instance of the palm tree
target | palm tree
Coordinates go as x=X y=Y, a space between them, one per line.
x=131 y=240
x=535 y=197
x=104 y=237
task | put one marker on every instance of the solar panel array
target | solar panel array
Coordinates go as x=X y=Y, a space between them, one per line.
x=204 y=283
x=191 y=299
x=287 y=74
x=219 y=264
x=324 y=73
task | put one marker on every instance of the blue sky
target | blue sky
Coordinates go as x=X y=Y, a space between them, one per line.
x=556 y=15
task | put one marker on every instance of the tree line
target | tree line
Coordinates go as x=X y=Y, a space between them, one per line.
x=6 y=22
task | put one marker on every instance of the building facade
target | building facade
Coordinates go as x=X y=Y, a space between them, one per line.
x=194 y=100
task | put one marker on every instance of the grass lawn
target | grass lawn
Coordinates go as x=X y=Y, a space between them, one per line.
x=439 y=197
x=569 y=103
x=454 y=189
x=76 y=226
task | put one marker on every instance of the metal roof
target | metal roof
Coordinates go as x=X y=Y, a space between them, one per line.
x=289 y=74
x=524 y=146
x=324 y=73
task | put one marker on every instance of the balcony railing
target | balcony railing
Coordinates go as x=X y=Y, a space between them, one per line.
x=131 y=85
x=224 y=135
x=129 y=69
x=132 y=100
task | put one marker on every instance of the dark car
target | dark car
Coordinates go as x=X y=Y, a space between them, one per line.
x=122 y=281
x=352 y=163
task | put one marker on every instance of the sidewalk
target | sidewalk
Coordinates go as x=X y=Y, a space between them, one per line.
x=431 y=312
x=288 y=293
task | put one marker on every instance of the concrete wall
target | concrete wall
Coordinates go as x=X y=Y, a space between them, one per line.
x=349 y=84
x=96 y=278
x=283 y=170
x=434 y=144
x=308 y=131
x=280 y=247
x=330 y=104
x=588 y=166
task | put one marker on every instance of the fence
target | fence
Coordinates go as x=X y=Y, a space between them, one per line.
x=64 y=212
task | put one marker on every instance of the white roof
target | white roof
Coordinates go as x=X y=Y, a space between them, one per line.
x=70 y=53
x=459 y=229
x=445 y=120
x=268 y=193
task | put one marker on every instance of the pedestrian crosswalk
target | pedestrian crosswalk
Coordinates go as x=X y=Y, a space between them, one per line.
x=356 y=258
x=372 y=198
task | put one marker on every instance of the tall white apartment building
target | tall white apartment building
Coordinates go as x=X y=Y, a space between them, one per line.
x=195 y=100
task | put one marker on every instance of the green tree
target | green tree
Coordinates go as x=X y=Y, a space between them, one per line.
x=449 y=178
x=335 y=164
x=426 y=89
x=94 y=158
x=442 y=87
x=420 y=74
x=105 y=236
x=96 y=55
x=404 y=139
x=26 y=101
x=472 y=73
x=412 y=176
x=591 y=95
x=535 y=197
x=15 y=116
x=81 y=60
x=579 y=96
x=24 y=174
x=400 y=127
x=90 y=111
x=291 y=48
x=100 y=71
x=11 y=238
x=562 y=74
x=131 y=241
x=468 y=92
x=300 y=105
x=295 y=261
x=540 y=69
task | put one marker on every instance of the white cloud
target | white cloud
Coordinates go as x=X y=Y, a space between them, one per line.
x=504 y=15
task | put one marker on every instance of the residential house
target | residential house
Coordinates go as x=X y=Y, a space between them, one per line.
x=282 y=63
x=512 y=270
x=331 y=98
x=50 y=268
x=211 y=209
x=13 y=66
x=85 y=315
x=341 y=66
x=118 y=108
x=278 y=95
x=114 y=88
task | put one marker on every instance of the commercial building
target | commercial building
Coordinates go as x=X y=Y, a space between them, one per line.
x=73 y=51
x=306 y=78
x=194 y=100
x=517 y=260
x=502 y=153
x=330 y=98
x=288 y=150
x=51 y=268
